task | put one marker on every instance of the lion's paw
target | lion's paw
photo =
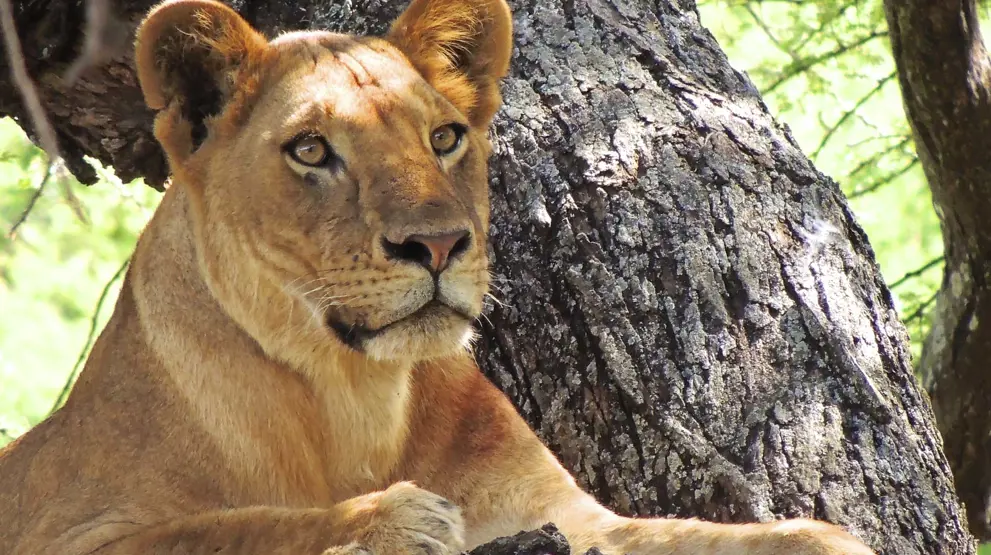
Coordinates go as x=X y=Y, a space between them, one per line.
x=408 y=520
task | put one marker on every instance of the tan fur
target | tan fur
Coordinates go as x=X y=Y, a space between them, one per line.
x=222 y=409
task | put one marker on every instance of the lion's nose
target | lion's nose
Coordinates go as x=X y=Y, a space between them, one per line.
x=433 y=252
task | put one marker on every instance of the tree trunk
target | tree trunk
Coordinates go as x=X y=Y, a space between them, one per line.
x=944 y=72
x=689 y=315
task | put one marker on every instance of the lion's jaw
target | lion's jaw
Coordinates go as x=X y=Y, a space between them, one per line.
x=315 y=274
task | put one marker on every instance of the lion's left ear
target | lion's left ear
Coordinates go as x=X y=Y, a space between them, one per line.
x=192 y=57
x=462 y=48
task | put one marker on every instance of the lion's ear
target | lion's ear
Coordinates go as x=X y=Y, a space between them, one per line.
x=191 y=56
x=461 y=47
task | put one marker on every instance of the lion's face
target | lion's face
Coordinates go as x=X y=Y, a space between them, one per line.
x=338 y=172
x=369 y=193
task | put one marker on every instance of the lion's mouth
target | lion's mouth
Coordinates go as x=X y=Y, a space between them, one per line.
x=357 y=335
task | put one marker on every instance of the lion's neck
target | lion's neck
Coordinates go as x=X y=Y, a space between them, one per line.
x=267 y=415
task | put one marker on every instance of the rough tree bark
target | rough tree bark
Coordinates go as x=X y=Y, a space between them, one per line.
x=689 y=314
x=945 y=76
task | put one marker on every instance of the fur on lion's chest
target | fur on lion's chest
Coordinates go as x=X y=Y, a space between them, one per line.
x=288 y=446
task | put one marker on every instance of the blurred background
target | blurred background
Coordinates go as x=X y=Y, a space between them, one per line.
x=824 y=69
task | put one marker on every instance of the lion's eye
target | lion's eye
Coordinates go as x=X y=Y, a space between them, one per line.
x=446 y=138
x=310 y=150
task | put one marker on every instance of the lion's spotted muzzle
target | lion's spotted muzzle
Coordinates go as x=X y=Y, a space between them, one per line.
x=432 y=306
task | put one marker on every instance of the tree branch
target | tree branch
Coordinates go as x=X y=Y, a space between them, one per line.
x=545 y=541
x=920 y=309
x=884 y=180
x=49 y=170
x=804 y=65
x=872 y=161
x=825 y=21
x=105 y=38
x=82 y=73
x=19 y=72
x=944 y=70
x=917 y=272
x=767 y=31
x=91 y=336
x=32 y=102
x=849 y=113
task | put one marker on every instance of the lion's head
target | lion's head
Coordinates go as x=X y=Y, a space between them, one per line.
x=348 y=173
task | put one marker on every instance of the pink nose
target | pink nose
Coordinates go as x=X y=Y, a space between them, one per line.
x=433 y=252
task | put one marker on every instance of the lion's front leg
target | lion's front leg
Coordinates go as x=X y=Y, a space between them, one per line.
x=485 y=458
x=587 y=524
x=674 y=537
x=402 y=520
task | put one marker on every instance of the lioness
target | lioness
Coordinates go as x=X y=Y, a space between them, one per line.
x=288 y=354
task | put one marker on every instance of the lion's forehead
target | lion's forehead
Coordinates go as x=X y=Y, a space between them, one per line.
x=345 y=72
x=356 y=83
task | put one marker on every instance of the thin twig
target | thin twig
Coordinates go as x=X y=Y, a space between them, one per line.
x=19 y=72
x=768 y=32
x=806 y=64
x=878 y=138
x=917 y=272
x=12 y=234
x=921 y=308
x=93 y=324
x=884 y=180
x=824 y=23
x=97 y=15
x=36 y=112
x=871 y=161
x=104 y=38
x=849 y=113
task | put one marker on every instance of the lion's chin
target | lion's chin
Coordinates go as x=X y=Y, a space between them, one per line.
x=434 y=331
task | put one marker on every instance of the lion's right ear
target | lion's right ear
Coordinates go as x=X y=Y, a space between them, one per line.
x=192 y=58
x=461 y=47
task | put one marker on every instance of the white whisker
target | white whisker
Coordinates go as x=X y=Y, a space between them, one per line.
x=496 y=300
x=487 y=319
x=497 y=288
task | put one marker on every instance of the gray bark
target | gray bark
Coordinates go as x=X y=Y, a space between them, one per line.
x=945 y=75
x=689 y=315
x=546 y=541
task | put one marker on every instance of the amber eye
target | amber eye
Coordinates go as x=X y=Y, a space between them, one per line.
x=310 y=150
x=446 y=138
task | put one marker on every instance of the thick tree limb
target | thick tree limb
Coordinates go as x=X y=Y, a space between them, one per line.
x=944 y=72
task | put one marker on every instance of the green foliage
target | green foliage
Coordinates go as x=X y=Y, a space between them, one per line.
x=53 y=271
x=825 y=68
